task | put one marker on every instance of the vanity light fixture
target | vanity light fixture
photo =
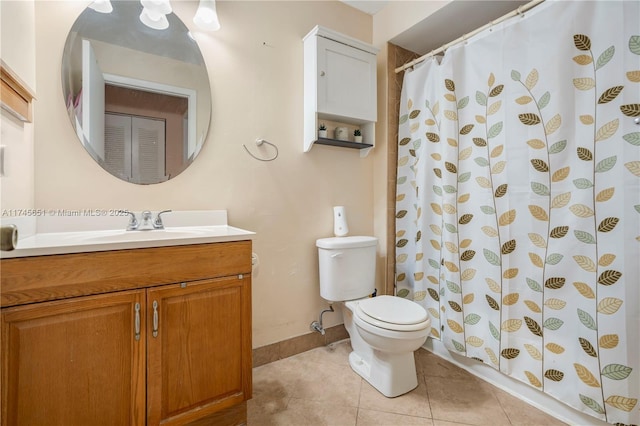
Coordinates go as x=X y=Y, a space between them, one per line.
x=154 y=13
x=206 y=17
x=102 y=6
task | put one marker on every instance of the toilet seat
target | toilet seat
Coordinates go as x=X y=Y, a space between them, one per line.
x=393 y=313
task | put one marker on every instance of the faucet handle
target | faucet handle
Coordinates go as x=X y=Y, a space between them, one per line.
x=133 y=221
x=157 y=223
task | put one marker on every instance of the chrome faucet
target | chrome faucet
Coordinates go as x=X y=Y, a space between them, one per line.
x=133 y=221
x=157 y=223
x=147 y=222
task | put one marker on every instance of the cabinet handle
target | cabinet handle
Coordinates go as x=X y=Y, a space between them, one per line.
x=322 y=73
x=155 y=318
x=137 y=321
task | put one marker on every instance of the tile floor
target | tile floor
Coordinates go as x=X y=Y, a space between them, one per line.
x=318 y=387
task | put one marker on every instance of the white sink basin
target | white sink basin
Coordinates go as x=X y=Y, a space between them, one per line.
x=208 y=228
x=113 y=236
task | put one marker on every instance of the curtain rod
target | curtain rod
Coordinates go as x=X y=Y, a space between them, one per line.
x=520 y=10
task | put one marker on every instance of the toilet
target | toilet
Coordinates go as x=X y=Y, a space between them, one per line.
x=384 y=330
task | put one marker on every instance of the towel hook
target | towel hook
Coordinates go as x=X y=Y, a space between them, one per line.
x=259 y=142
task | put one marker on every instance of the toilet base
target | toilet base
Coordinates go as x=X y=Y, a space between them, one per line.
x=391 y=374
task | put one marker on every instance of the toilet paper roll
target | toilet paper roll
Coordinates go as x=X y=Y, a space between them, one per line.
x=340 y=228
x=8 y=237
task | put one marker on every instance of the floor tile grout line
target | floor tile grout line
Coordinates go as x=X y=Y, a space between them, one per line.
x=426 y=385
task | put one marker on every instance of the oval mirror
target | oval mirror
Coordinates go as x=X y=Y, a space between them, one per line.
x=138 y=97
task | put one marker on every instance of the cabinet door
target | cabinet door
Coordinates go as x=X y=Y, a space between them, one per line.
x=74 y=362
x=199 y=348
x=346 y=81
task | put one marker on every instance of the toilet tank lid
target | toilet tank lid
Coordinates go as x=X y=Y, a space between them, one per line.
x=346 y=242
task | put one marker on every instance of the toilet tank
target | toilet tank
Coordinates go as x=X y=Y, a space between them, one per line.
x=347 y=267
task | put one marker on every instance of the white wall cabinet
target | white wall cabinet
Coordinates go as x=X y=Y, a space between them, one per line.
x=339 y=86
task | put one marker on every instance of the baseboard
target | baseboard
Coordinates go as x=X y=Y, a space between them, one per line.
x=520 y=390
x=295 y=345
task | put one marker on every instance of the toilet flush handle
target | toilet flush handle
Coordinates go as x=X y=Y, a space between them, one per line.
x=338 y=254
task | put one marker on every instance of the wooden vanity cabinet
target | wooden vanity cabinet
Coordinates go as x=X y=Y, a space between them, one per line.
x=195 y=362
x=73 y=362
x=174 y=352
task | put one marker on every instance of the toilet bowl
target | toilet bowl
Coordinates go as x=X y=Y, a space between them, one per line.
x=384 y=330
x=383 y=350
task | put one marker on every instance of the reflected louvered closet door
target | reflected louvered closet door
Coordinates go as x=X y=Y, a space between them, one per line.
x=148 y=149
x=135 y=147
x=117 y=140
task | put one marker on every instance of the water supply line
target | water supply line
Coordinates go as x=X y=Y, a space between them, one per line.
x=317 y=325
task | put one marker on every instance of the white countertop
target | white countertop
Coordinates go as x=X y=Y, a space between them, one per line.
x=38 y=236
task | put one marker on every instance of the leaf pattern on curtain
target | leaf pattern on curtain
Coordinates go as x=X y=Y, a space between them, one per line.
x=518 y=204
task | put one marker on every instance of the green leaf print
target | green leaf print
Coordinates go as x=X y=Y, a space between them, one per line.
x=453 y=287
x=558 y=147
x=494 y=331
x=553 y=323
x=554 y=258
x=495 y=130
x=585 y=237
x=587 y=320
x=540 y=189
x=533 y=285
x=591 y=404
x=472 y=319
x=632 y=138
x=459 y=346
x=634 y=44
x=616 y=371
x=606 y=164
x=605 y=57
x=481 y=98
x=544 y=100
x=487 y=209
x=582 y=183
x=481 y=161
x=464 y=177
x=491 y=257
x=403 y=293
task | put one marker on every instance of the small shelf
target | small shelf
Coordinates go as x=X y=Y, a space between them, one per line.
x=344 y=144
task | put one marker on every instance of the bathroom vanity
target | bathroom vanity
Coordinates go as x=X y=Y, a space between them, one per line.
x=151 y=335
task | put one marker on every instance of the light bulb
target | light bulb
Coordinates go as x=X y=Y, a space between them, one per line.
x=159 y=6
x=102 y=6
x=206 y=17
x=154 y=20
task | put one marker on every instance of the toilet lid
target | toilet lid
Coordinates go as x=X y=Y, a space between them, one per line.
x=393 y=310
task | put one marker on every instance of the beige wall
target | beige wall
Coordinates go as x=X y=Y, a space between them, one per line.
x=17 y=39
x=256 y=68
x=17 y=50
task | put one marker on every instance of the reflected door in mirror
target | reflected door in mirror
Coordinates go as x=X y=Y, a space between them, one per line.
x=135 y=147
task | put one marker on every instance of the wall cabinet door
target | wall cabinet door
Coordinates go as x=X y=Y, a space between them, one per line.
x=74 y=362
x=199 y=348
x=346 y=81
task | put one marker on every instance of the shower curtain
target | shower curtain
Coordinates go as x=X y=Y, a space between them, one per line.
x=518 y=201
